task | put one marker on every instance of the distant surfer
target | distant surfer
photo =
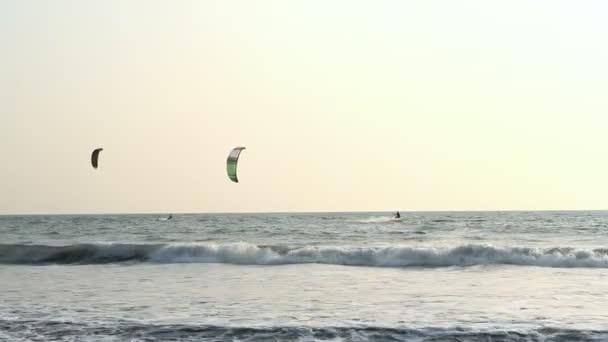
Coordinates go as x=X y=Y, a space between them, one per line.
x=170 y=217
x=397 y=215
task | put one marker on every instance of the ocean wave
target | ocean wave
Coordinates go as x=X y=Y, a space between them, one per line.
x=131 y=331
x=243 y=253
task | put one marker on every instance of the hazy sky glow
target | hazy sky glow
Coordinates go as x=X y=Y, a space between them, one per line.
x=342 y=105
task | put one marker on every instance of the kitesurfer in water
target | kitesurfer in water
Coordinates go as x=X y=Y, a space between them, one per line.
x=397 y=215
x=170 y=217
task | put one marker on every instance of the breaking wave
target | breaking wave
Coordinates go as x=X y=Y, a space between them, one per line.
x=130 y=331
x=243 y=253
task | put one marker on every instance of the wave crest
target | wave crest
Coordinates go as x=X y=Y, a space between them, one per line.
x=243 y=253
x=124 y=330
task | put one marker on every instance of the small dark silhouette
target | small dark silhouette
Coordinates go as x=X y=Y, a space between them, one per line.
x=397 y=215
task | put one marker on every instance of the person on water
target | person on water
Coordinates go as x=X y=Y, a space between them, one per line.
x=170 y=217
x=397 y=215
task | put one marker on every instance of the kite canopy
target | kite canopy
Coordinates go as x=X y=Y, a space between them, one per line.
x=95 y=157
x=233 y=158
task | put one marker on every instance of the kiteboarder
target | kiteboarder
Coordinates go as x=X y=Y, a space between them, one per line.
x=397 y=215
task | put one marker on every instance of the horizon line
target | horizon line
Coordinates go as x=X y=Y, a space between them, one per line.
x=297 y=212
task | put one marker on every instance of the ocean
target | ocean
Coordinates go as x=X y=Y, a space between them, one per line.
x=432 y=276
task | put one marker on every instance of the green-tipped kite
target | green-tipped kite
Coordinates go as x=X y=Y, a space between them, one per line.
x=233 y=158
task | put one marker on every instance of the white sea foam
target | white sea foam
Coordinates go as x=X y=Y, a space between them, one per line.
x=244 y=253
x=379 y=219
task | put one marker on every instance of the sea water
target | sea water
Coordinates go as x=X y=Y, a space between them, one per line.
x=432 y=276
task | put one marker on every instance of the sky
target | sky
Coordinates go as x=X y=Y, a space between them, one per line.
x=343 y=105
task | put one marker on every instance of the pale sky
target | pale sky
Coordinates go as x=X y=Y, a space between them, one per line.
x=342 y=105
